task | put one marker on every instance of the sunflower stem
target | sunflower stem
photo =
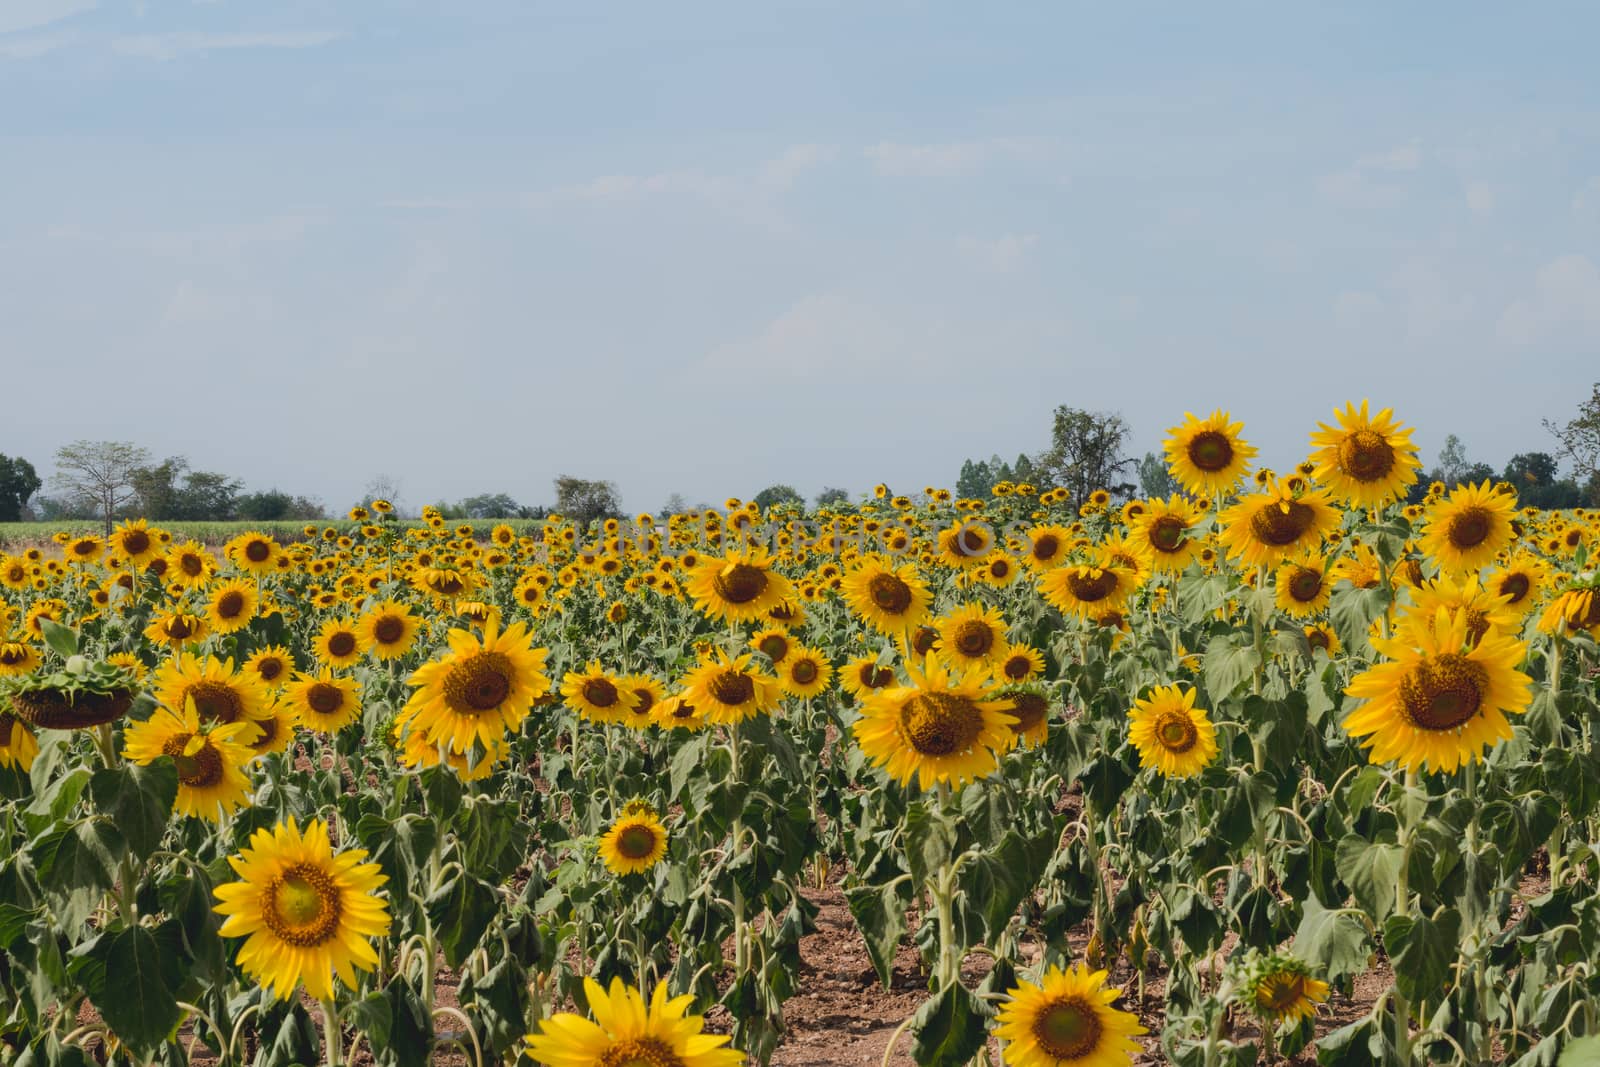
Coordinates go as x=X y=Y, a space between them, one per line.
x=1402 y=908
x=332 y=1034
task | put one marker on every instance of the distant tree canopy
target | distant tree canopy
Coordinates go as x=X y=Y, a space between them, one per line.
x=171 y=491
x=1578 y=441
x=1086 y=453
x=832 y=497
x=18 y=482
x=585 y=501
x=773 y=495
x=274 y=505
x=1155 y=478
x=98 y=476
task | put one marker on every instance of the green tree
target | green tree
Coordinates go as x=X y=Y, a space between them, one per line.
x=1578 y=442
x=1155 y=479
x=491 y=506
x=1085 y=453
x=773 y=495
x=975 y=480
x=274 y=505
x=98 y=475
x=585 y=501
x=18 y=482
x=832 y=497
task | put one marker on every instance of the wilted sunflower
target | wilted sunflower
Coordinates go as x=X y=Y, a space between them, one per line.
x=324 y=703
x=219 y=693
x=337 y=643
x=481 y=690
x=887 y=597
x=944 y=727
x=231 y=606
x=1365 y=461
x=1468 y=529
x=973 y=637
x=1303 y=586
x=1439 y=702
x=1278 y=988
x=1164 y=532
x=1576 y=607
x=630 y=1033
x=417 y=753
x=1207 y=456
x=273 y=665
x=18 y=746
x=805 y=672
x=1268 y=527
x=388 y=629
x=729 y=690
x=596 y=695
x=209 y=759
x=1170 y=733
x=307 y=913
x=636 y=842
x=1083 y=590
x=1067 y=1021
x=738 y=587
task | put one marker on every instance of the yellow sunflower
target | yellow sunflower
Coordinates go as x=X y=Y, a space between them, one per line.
x=1519 y=580
x=944 y=727
x=1170 y=733
x=254 y=552
x=864 y=674
x=231 y=606
x=275 y=730
x=1164 y=533
x=1439 y=702
x=738 y=587
x=417 y=753
x=965 y=544
x=176 y=629
x=337 y=643
x=1267 y=528
x=481 y=690
x=17 y=658
x=647 y=693
x=805 y=672
x=1469 y=528
x=1576 y=607
x=596 y=695
x=1083 y=590
x=1484 y=609
x=306 y=913
x=1321 y=636
x=324 y=703
x=274 y=665
x=1046 y=546
x=219 y=693
x=973 y=636
x=773 y=642
x=388 y=630
x=134 y=542
x=729 y=690
x=630 y=1033
x=211 y=783
x=1207 y=456
x=677 y=713
x=1365 y=461
x=887 y=597
x=635 y=842
x=1278 y=988
x=1067 y=1021
x=18 y=746
x=1031 y=709
x=1303 y=586
x=1021 y=664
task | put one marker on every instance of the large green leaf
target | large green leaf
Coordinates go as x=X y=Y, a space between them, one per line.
x=949 y=1028
x=461 y=911
x=881 y=918
x=929 y=842
x=1371 y=871
x=132 y=976
x=138 y=800
x=1334 y=941
x=1421 y=949
x=81 y=856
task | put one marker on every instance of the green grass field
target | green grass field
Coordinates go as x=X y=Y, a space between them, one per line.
x=14 y=535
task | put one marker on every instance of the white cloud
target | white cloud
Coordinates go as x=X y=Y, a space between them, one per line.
x=1565 y=300
x=33 y=47
x=28 y=14
x=1372 y=178
x=165 y=46
x=1000 y=255
x=943 y=160
x=795 y=160
x=1586 y=204
x=1353 y=310
x=1480 y=198
x=819 y=333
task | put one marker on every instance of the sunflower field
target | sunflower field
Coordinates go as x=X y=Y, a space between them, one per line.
x=1277 y=768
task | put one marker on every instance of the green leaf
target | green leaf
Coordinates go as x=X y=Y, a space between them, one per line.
x=13 y=921
x=132 y=976
x=1421 y=949
x=1334 y=941
x=1580 y=1052
x=881 y=918
x=138 y=800
x=929 y=840
x=81 y=856
x=949 y=1027
x=296 y=1039
x=410 y=1038
x=1371 y=871
x=60 y=638
x=1356 y=1045
x=498 y=1002
x=1227 y=667
x=461 y=911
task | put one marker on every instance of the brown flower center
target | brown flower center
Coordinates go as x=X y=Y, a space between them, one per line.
x=1305 y=584
x=341 y=643
x=257 y=551
x=214 y=701
x=636 y=842
x=191 y=564
x=1029 y=710
x=733 y=688
x=1176 y=732
x=1167 y=533
x=388 y=629
x=1067 y=1028
x=1366 y=456
x=325 y=699
x=1469 y=527
x=599 y=692
x=941 y=724
x=479 y=683
x=646 y=701
x=1443 y=693
x=774 y=647
x=1211 y=451
x=230 y=605
x=135 y=542
x=198 y=771
x=1280 y=524
x=270 y=668
x=1045 y=547
x=1091 y=584
x=1017 y=667
x=740 y=583
x=640 y=1052
x=1515 y=586
x=973 y=638
x=804 y=672
x=302 y=906
x=889 y=593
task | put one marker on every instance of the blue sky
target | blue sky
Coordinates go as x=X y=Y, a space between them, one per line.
x=702 y=248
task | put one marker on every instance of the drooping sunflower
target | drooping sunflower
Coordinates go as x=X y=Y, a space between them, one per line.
x=636 y=842
x=175 y=629
x=804 y=673
x=1439 y=701
x=1207 y=456
x=230 y=606
x=18 y=746
x=887 y=597
x=274 y=665
x=864 y=674
x=1267 y=528
x=1031 y=710
x=1067 y=1020
x=1520 y=581
x=944 y=727
x=1083 y=590
x=1164 y=532
x=388 y=630
x=1278 y=988
x=630 y=1033
x=1365 y=461
x=597 y=695
x=324 y=703
x=1575 y=607
x=1170 y=733
x=417 y=753
x=209 y=758
x=738 y=587
x=307 y=914
x=254 y=552
x=1469 y=528
x=729 y=690
x=1303 y=586
x=219 y=693
x=481 y=690
x=973 y=636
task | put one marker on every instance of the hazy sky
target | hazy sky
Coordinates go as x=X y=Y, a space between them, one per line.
x=701 y=248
